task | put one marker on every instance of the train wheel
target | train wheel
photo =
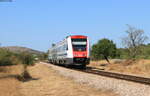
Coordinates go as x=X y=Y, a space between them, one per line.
x=67 y=66
x=83 y=66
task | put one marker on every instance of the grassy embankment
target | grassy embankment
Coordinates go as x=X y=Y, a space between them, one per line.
x=138 y=67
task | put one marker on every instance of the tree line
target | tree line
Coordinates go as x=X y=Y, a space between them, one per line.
x=133 y=42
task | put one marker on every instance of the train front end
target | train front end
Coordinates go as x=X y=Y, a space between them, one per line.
x=80 y=50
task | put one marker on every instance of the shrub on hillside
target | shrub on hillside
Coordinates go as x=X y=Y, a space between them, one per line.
x=26 y=58
x=8 y=58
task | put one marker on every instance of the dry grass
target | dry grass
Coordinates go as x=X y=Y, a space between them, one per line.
x=9 y=85
x=14 y=69
x=47 y=83
x=138 y=67
x=50 y=83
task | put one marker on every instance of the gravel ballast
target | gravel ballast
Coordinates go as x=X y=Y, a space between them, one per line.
x=121 y=87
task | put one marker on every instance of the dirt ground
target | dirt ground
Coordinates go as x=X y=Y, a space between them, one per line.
x=138 y=67
x=46 y=82
x=9 y=85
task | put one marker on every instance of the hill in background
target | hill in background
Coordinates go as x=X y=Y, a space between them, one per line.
x=18 y=49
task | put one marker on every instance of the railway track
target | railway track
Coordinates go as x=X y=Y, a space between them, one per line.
x=133 y=78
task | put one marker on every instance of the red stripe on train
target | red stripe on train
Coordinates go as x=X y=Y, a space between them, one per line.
x=78 y=36
x=82 y=54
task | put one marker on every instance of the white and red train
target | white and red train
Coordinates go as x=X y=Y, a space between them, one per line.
x=73 y=50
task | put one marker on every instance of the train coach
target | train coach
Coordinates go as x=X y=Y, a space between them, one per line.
x=73 y=50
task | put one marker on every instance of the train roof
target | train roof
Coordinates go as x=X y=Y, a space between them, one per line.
x=77 y=36
x=72 y=36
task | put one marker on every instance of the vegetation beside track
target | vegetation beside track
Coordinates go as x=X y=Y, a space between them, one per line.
x=138 y=67
x=134 y=47
x=9 y=58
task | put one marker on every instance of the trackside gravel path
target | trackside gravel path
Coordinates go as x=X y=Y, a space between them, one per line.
x=121 y=87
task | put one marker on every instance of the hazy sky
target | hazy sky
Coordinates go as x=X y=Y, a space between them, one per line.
x=38 y=23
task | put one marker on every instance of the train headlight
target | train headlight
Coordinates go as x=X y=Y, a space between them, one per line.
x=84 y=54
x=75 y=54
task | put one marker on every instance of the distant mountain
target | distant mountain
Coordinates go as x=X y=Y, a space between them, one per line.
x=18 y=49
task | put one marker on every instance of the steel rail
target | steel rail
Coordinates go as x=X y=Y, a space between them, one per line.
x=133 y=78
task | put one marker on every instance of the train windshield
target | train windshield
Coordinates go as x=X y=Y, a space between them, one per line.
x=79 y=44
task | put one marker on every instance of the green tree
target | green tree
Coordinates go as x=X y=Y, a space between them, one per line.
x=104 y=49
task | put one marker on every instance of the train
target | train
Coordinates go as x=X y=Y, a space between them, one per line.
x=73 y=50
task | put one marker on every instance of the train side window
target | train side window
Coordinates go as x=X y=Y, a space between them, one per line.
x=66 y=47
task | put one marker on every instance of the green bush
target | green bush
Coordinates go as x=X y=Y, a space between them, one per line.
x=10 y=58
x=144 y=52
x=5 y=57
x=26 y=58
